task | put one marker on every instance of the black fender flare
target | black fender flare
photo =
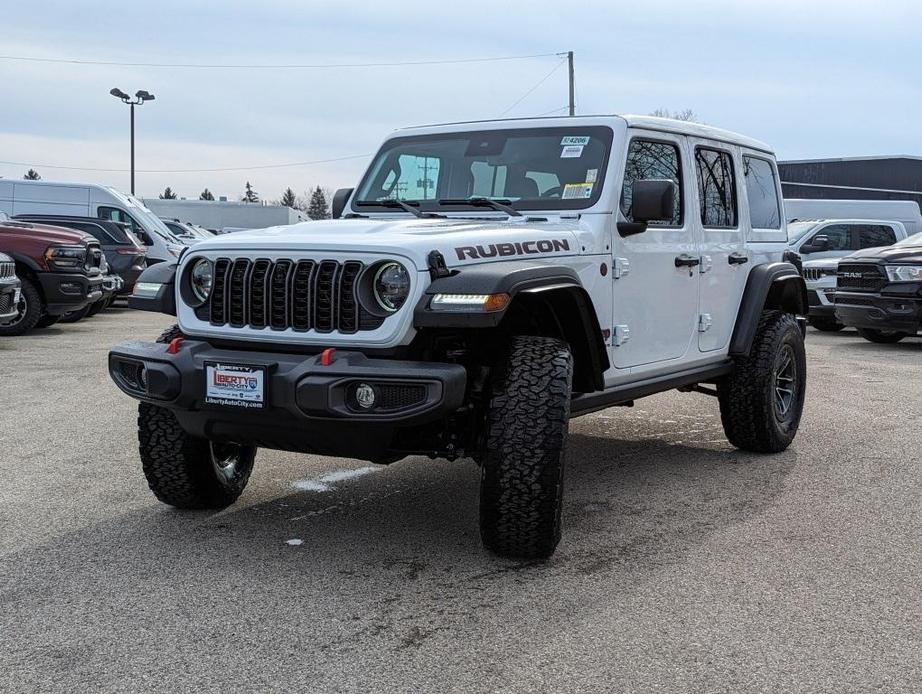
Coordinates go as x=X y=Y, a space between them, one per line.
x=26 y=260
x=161 y=300
x=776 y=285
x=558 y=286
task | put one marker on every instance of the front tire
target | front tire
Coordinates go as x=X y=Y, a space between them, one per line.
x=186 y=471
x=29 y=307
x=521 y=483
x=762 y=400
x=74 y=316
x=882 y=337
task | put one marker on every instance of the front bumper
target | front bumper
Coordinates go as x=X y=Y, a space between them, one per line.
x=879 y=311
x=308 y=406
x=66 y=292
x=820 y=303
x=9 y=299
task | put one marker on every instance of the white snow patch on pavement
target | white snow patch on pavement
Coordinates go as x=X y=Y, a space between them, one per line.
x=325 y=482
x=294 y=542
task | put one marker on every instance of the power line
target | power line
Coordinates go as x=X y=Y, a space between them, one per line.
x=284 y=66
x=553 y=110
x=537 y=84
x=161 y=171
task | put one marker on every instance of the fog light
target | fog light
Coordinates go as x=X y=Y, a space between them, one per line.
x=365 y=396
x=142 y=377
x=71 y=288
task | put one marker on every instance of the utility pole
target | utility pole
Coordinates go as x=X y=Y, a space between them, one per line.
x=572 y=87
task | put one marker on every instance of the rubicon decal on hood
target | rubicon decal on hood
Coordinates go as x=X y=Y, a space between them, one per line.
x=517 y=248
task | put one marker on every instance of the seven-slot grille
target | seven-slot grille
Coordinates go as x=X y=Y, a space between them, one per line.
x=281 y=294
x=7 y=270
x=815 y=273
x=860 y=278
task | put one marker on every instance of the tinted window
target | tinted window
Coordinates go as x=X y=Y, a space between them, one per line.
x=117 y=215
x=657 y=160
x=840 y=237
x=716 y=188
x=764 y=212
x=93 y=230
x=872 y=235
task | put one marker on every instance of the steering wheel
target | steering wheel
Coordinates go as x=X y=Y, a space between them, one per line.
x=554 y=192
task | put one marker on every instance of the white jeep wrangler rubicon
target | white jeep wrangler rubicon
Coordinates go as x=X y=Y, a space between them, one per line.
x=485 y=283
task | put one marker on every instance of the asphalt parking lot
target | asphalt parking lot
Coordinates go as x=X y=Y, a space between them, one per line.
x=685 y=565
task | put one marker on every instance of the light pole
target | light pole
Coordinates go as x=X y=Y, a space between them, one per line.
x=140 y=97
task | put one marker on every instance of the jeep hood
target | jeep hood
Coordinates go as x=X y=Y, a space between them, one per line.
x=460 y=241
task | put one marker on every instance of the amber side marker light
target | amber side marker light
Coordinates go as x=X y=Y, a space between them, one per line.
x=470 y=303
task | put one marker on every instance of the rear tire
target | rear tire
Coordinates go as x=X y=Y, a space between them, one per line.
x=521 y=483
x=186 y=471
x=47 y=321
x=882 y=337
x=97 y=307
x=30 y=310
x=762 y=400
x=826 y=325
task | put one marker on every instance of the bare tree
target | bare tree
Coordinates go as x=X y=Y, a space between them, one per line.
x=32 y=175
x=685 y=114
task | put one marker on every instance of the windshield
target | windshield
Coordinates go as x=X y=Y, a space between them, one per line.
x=145 y=217
x=914 y=240
x=796 y=230
x=533 y=169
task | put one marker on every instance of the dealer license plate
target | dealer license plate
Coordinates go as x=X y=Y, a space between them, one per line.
x=235 y=385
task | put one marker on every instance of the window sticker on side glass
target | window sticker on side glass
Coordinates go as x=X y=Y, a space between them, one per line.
x=577 y=191
x=571 y=152
x=574 y=140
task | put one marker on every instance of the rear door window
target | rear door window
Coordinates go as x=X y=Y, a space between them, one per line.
x=873 y=235
x=716 y=188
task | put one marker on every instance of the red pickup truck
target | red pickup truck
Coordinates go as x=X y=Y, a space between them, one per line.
x=59 y=270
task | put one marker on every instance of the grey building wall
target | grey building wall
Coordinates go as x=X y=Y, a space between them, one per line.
x=216 y=214
x=854 y=178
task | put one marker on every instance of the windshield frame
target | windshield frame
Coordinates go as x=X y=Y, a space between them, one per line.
x=603 y=132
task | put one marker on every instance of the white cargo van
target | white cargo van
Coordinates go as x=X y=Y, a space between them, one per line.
x=91 y=200
x=904 y=211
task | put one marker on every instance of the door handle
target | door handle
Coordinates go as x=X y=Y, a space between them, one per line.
x=686 y=260
x=737 y=258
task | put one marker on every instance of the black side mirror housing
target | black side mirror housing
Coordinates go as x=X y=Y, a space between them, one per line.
x=820 y=243
x=652 y=199
x=340 y=198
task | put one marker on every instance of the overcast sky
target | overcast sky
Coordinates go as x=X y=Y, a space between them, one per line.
x=811 y=77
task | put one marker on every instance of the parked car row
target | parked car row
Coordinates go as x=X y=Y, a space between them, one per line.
x=51 y=273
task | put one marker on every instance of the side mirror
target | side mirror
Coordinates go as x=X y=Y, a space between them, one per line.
x=820 y=243
x=651 y=200
x=340 y=198
x=145 y=238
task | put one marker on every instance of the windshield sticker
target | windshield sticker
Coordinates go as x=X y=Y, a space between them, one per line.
x=571 y=152
x=574 y=140
x=577 y=191
x=591 y=175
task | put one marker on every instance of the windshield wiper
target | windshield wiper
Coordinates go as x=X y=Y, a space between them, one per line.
x=406 y=206
x=501 y=205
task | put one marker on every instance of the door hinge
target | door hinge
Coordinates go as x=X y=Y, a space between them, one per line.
x=622 y=268
x=622 y=335
x=704 y=322
x=706 y=263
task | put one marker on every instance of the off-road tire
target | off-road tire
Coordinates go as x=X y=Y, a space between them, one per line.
x=749 y=405
x=826 y=325
x=881 y=337
x=521 y=482
x=32 y=301
x=74 y=316
x=181 y=469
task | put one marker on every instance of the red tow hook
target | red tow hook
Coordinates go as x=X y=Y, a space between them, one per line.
x=326 y=357
x=174 y=345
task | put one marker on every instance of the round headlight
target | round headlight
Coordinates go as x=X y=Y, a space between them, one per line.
x=391 y=286
x=201 y=279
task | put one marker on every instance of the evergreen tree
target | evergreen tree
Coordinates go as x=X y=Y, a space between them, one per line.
x=167 y=194
x=318 y=208
x=206 y=195
x=289 y=199
x=32 y=175
x=250 y=195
